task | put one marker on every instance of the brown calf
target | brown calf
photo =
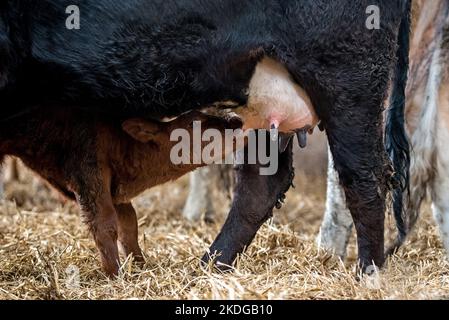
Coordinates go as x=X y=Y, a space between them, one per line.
x=102 y=164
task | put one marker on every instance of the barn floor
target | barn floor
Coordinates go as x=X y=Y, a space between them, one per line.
x=43 y=246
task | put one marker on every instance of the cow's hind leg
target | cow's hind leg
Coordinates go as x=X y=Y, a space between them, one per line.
x=128 y=231
x=336 y=227
x=360 y=159
x=255 y=196
x=440 y=205
x=203 y=182
x=198 y=200
x=440 y=183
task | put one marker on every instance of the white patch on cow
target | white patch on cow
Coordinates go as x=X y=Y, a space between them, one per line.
x=440 y=186
x=337 y=223
x=430 y=159
x=274 y=98
x=423 y=141
x=440 y=205
x=427 y=13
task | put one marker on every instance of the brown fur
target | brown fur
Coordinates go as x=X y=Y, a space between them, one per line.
x=427 y=19
x=102 y=167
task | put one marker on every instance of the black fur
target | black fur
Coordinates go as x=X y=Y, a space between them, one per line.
x=136 y=58
x=155 y=58
x=397 y=143
x=255 y=197
x=5 y=51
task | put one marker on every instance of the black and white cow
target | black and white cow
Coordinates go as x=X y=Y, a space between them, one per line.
x=427 y=115
x=155 y=59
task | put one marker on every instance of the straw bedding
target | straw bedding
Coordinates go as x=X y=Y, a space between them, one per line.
x=47 y=253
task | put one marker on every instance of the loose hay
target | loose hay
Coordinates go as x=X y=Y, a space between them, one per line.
x=47 y=253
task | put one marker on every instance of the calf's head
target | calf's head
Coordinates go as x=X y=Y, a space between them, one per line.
x=191 y=132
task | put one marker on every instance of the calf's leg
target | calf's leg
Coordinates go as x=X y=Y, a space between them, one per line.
x=103 y=225
x=100 y=215
x=128 y=231
x=12 y=170
x=255 y=196
x=10 y=173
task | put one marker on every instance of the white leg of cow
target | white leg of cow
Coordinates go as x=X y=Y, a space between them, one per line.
x=198 y=201
x=337 y=224
x=204 y=183
x=440 y=186
x=425 y=140
x=440 y=199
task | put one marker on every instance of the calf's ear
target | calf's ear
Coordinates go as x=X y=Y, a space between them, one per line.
x=141 y=130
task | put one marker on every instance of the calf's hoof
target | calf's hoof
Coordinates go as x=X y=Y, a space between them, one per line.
x=111 y=270
x=139 y=260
